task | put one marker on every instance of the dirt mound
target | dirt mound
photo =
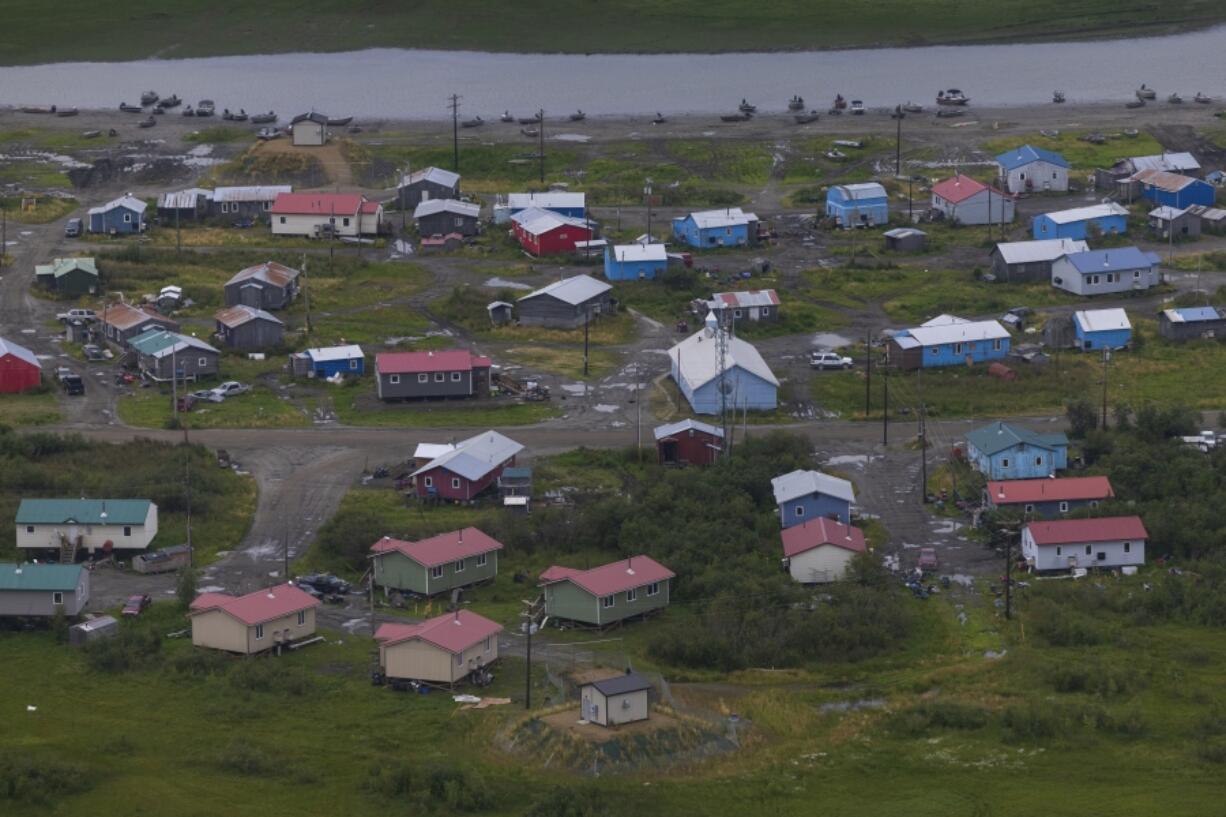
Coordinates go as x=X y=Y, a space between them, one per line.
x=259 y=165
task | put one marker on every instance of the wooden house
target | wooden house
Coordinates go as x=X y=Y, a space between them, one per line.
x=435 y=565
x=858 y=205
x=1029 y=169
x=469 y=468
x=1047 y=498
x=1101 y=542
x=69 y=276
x=245 y=203
x=266 y=619
x=963 y=200
x=716 y=370
x=820 y=550
x=544 y=232
x=1026 y=261
x=441 y=650
x=566 y=304
x=428 y=184
x=63 y=527
x=608 y=594
x=42 y=590
x=1192 y=323
x=1004 y=451
x=19 y=368
x=805 y=495
x=122 y=216
x=729 y=227
x=442 y=373
x=164 y=356
x=121 y=322
x=248 y=328
x=948 y=340
x=269 y=286
x=688 y=442
x=447 y=217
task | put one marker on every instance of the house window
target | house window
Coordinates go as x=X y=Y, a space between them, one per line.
x=487 y=643
x=267 y=206
x=459 y=566
x=653 y=588
x=1004 y=463
x=345 y=222
x=455 y=482
x=459 y=222
x=1038 y=460
x=1110 y=277
x=736 y=313
x=1059 y=550
x=202 y=362
x=423 y=378
x=764 y=311
x=606 y=602
x=455 y=377
x=1054 y=176
x=439 y=377
x=429 y=482
x=127 y=530
x=1093 y=503
x=632 y=595
x=1063 y=507
x=394 y=379
x=800 y=510
x=957 y=348
x=1087 y=550
x=997 y=345
x=301 y=617
x=29 y=528
x=1128 y=547
x=934 y=351
x=282 y=219
x=482 y=559
x=436 y=572
x=459 y=659
x=1102 y=556
x=127 y=218
x=225 y=207
x=1136 y=275
x=1029 y=508
x=57 y=598
x=353 y=364
x=259 y=631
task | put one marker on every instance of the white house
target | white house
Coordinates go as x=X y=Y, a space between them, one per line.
x=1097 y=272
x=314 y=215
x=820 y=550
x=89 y=524
x=1063 y=544
x=964 y=200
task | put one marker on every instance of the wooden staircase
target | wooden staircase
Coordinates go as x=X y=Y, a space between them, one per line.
x=68 y=550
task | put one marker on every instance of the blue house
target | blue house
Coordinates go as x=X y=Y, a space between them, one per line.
x=745 y=379
x=123 y=216
x=634 y=262
x=948 y=341
x=329 y=361
x=1110 y=219
x=1174 y=190
x=1101 y=329
x=1048 y=498
x=805 y=495
x=1003 y=451
x=858 y=205
x=730 y=227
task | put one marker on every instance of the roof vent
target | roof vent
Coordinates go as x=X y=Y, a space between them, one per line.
x=272 y=595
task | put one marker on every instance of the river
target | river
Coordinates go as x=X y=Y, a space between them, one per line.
x=414 y=84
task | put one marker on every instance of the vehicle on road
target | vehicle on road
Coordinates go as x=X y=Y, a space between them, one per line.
x=309 y=589
x=928 y=560
x=325 y=583
x=830 y=360
x=73 y=228
x=86 y=315
x=231 y=388
x=71 y=383
x=135 y=605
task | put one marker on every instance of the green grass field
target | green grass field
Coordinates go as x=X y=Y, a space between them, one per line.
x=196 y=28
x=30 y=409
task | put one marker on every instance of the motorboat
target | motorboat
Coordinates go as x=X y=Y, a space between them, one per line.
x=188 y=111
x=952 y=97
x=1094 y=138
x=126 y=108
x=531 y=133
x=1203 y=99
x=847 y=143
x=1050 y=133
x=1136 y=103
x=949 y=113
x=835 y=155
x=91 y=134
x=1146 y=93
x=796 y=103
x=659 y=120
x=1175 y=99
x=911 y=107
x=339 y=122
x=535 y=119
x=506 y=117
x=147 y=123
x=736 y=117
x=66 y=111
x=148 y=97
x=745 y=107
x=1057 y=97
x=263 y=118
x=806 y=118
x=171 y=101
x=577 y=116
x=205 y=107
x=839 y=102
x=268 y=133
x=1131 y=133
x=475 y=122
x=857 y=107
x=231 y=116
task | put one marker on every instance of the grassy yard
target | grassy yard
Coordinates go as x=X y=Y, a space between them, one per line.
x=196 y=28
x=1083 y=156
x=364 y=410
x=45 y=210
x=53 y=139
x=34 y=174
x=29 y=409
x=260 y=408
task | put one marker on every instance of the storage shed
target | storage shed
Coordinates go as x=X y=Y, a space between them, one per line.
x=688 y=442
x=95 y=629
x=1192 y=323
x=858 y=205
x=1102 y=328
x=1016 y=262
x=615 y=701
x=446 y=216
x=1169 y=223
x=68 y=276
x=1173 y=189
x=905 y=239
x=244 y=327
x=309 y=129
x=19 y=368
x=566 y=304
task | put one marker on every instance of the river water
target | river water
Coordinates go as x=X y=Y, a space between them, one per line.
x=414 y=84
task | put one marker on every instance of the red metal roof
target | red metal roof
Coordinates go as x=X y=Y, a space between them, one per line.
x=614 y=577
x=959 y=188
x=821 y=531
x=258 y=607
x=1025 y=491
x=453 y=632
x=370 y=207
x=441 y=549
x=1075 y=531
x=317 y=204
x=446 y=360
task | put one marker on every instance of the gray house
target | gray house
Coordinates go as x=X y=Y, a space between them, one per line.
x=1017 y=261
x=265 y=286
x=443 y=216
x=121 y=322
x=160 y=354
x=245 y=327
x=183 y=206
x=1192 y=323
x=566 y=304
x=231 y=204
x=1165 y=220
x=423 y=375
x=426 y=185
x=1098 y=272
x=42 y=589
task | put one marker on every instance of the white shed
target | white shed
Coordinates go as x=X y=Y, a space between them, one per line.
x=614 y=701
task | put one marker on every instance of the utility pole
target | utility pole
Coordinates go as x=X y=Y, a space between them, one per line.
x=1106 y=362
x=638 y=409
x=587 y=319
x=885 y=408
x=174 y=384
x=868 y=372
x=1009 y=534
x=923 y=441
x=647 y=193
x=529 y=628
x=540 y=129
x=408 y=171
x=910 y=202
x=455 y=132
x=306 y=294
x=898 y=114
x=285 y=548
x=187 y=481
x=178 y=235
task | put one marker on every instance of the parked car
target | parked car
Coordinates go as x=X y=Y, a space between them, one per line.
x=829 y=360
x=207 y=395
x=309 y=589
x=69 y=382
x=93 y=352
x=928 y=559
x=86 y=315
x=230 y=388
x=135 y=605
x=325 y=583
x=73 y=228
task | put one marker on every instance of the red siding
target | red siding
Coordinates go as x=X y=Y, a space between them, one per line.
x=554 y=242
x=693 y=447
x=16 y=375
x=441 y=479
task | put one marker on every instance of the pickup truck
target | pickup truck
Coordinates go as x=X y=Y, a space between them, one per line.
x=230 y=388
x=86 y=315
x=70 y=382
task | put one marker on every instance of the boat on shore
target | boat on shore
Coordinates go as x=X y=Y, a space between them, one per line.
x=736 y=117
x=1145 y=92
x=37 y=109
x=1175 y=99
x=231 y=116
x=171 y=101
x=577 y=116
x=839 y=102
x=659 y=119
x=506 y=117
x=205 y=107
x=796 y=103
x=806 y=118
x=531 y=133
x=188 y=111
x=1057 y=97
x=1136 y=103
x=857 y=108
x=953 y=96
x=1131 y=133
x=1203 y=99
x=126 y=108
x=911 y=107
x=745 y=107
x=949 y=113
x=475 y=122
x=535 y=119
x=90 y=134
x=263 y=118
x=149 y=97
x=835 y=155
x=147 y=123
x=66 y=111
x=340 y=122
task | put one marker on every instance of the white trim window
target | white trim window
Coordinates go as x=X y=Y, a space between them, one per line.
x=455 y=482
x=436 y=572
x=1063 y=507
x=799 y=511
x=1029 y=508
x=393 y=379
x=429 y=482
x=653 y=589
x=423 y=378
x=482 y=559
x=632 y=595
x=998 y=344
x=1128 y=547
x=1004 y=463
x=202 y=362
x=259 y=631
x=608 y=601
x=127 y=530
x=455 y=377
x=57 y=598
x=301 y=617
x=440 y=377
x=487 y=643
x=459 y=566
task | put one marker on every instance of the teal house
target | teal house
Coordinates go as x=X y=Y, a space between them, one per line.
x=1003 y=451
x=435 y=565
x=607 y=594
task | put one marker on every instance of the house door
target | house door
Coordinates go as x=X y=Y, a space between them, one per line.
x=668 y=451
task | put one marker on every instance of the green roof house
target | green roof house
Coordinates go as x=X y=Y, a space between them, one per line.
x=1004 y=451
x=40 y=590
x=435 y=565
x=607 y=594
x=65 y=525
x=71 y=276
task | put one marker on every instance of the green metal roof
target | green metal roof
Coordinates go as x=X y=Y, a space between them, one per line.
x=39 y=577
x=62 y=266
x=159 y=343
x=83 y=511
x=999 y=436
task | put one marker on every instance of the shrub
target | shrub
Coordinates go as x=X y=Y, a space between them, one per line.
x=569 y=801
x=1212 y=751
x=132 y=649
x=242 y=757
x=444 y=788
x=39 y=780
x=265 y=675
x=1062 y=626
x=924 y=717
x=1094 y=676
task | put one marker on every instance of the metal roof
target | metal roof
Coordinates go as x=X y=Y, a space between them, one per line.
x=959 y=188
x=183 y=199
x=1031 y=252
x=744 y=299
x=538 y=221
x=621 y=684
x=966 y=332
x=1120 y=258
x=1164 y=180
x=903 y=232
x=159 y=343
x=669 y=429
x=235 y=316
x=323 y=354
x=1165 y=161
x=615 y=577
x=861 y=191
x=1026 y=491
x=60 y=267
x=1192 y=314
x=475 y=457
x=1076 y=214
x=440 y=549
x=1102 y=320
x=430 y=360
x=453 y=632
x=1166 y=213
x=270 y=272
x=313 y=116
x=575 y=291
x=802 y=483
x=83 y=511
x=546 y=201
x=125 y=316
x=130 y=202
x=1000 y=435
x=1212 y=214
x=39 y=577
x=630 y=253
x=265 y=192
x=1078 y=531
x=814 y=533
x=697 y=359
x=318 y=204
x=461 y=208
x=258 y=607
x=714 y=219
x=438 y=176
x=1026 y=154
x=7 y=347
x=944 y=319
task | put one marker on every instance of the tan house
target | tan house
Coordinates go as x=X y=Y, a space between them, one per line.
x=255 y=622
x=820 y=550
x=441 y=650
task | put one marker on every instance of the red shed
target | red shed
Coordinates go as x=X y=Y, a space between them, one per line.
x=19 y=368
x=468 y=469
x=689 y=442
x=544 y=232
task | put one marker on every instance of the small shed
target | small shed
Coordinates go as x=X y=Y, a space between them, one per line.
x=445 y=216
x=1102 y=328
x=1168 y=223
x=501 y=312
x=616 y=701
x=426 y=185
x=70 y=276
x=95 y=629
x=244 y=327
x=163 y=561
x=688 y=442
x=19 y=368
x=905 y=239
x=1212 y=219
x=329 y=361
x=1192 y=323
x=515 y=481
x=309 y=129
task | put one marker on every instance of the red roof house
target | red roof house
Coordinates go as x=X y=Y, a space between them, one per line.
x=966 y=201
x=431 y=374
x=19 y=368
x=438 y=564
x=1102 y=542
x=820 y=549
x=255 y=622
x=440 y=650
x=607 y=594
x=1048 y=497
x=316 y=214
x=544 y=232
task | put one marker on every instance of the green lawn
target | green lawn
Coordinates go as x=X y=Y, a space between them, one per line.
x=259 y=408
x=29 y=409
x=364 y=410
x=196 y=28
x=1083 y=156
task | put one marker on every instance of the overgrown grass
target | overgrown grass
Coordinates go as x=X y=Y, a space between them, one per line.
x=45 y=210
x=262 y=407
x=1082 y=155
x=38 y=408
x=218 y=134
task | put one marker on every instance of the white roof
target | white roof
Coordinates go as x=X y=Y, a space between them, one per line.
x=743 y=299
x=697 y=359
x=863 y=190
x=670 y=429
x=1166 y=212
x=183 y=199
x=574 y=291
x=594 y=244
x=944 y=320
x=430 y=451
x=1102 y=320
x=728 y=217
x=460 y=208
x=267 y=192
x=958 y=333
x=538 y=221
x=903 y=232
x=131 y=202
x=639 y=252
x=1166 y=161
x=1029 y=252
x=1085 y=213
x=802 y=483
x=326 y=353
x=7 y=347
x=431 y=174
x=521 y=201
x=475 y=457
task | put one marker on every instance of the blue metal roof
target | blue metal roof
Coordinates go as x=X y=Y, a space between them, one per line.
x=999 y=436
x=1121 y=258
x=1198 y=313
x=1013 y=159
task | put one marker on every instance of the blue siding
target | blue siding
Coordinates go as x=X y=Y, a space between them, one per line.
x=686 y=230
x=1197 y=192
x=327 y=368
x=631 y=270
x=749 y=391
x=814 y=506
x=1051 y=510
x=871 y=211
x=1044 y=227
x=113 y=219
x=1019 y=461
x=573 y=212
x=980 y=351
x=1106 y=339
